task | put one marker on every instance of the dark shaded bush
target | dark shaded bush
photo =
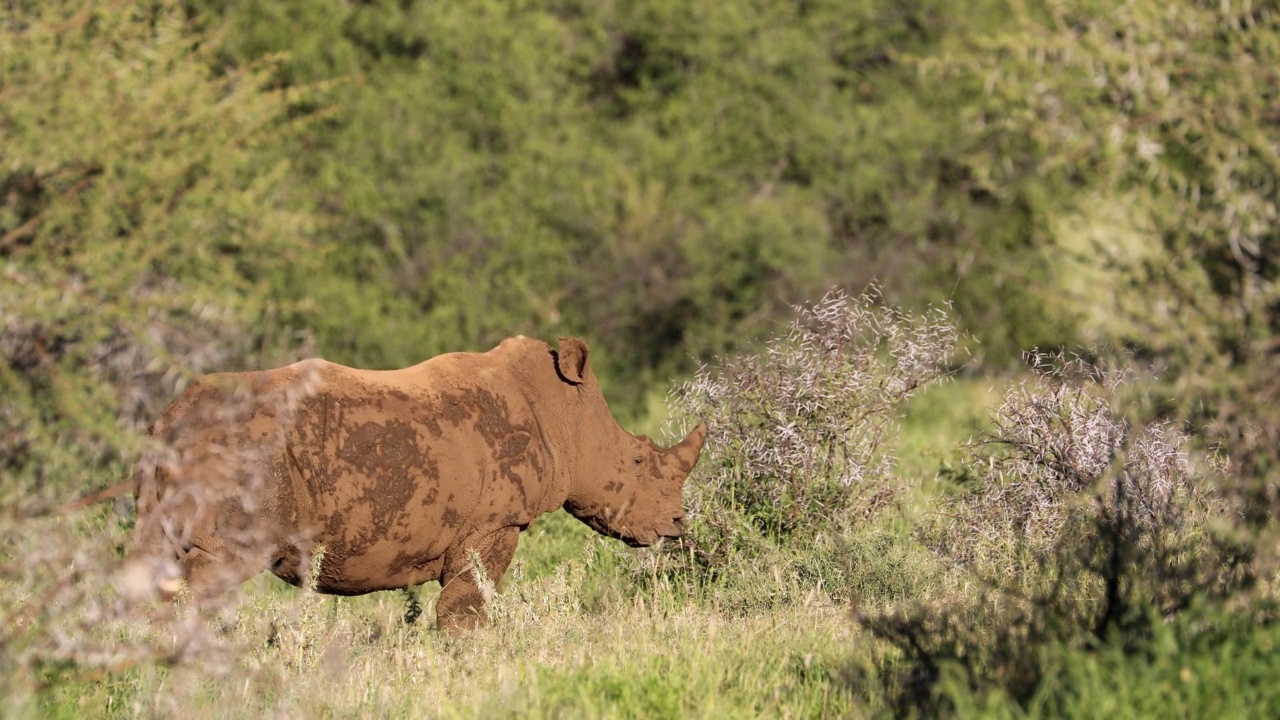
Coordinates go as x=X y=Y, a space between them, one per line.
x=1084 y=525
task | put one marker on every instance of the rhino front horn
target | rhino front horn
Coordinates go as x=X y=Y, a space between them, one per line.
x=688 y=450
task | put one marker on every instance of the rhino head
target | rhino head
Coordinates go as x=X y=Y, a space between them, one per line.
x=623 y=486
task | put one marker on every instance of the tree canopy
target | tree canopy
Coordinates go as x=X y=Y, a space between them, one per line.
x=187 y=186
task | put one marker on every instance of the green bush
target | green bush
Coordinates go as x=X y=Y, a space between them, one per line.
x=134 y=221
x=1151 y=128
x=663 y=179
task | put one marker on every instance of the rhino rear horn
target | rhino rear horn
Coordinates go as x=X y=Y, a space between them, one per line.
x=571 y=359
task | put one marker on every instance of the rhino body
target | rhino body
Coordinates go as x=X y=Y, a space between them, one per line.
x=399 y=475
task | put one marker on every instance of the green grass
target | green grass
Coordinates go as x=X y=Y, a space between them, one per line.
x=555 y=538
x=1195 y=668
x=647 y=657
x=542 y=656
x=938 y=420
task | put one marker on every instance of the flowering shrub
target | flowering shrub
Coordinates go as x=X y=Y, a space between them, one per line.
x=1083 y=527
x=1060 y=451
x=800 y=434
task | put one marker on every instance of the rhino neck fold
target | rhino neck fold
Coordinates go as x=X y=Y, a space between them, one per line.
x=557 y=413
x=561 y=481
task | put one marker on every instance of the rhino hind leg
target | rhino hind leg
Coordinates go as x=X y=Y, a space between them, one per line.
x=461 y=603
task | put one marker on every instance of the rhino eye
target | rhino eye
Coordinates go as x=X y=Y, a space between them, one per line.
x=638 y=460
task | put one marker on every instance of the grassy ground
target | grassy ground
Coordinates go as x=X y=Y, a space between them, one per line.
x=545 y=654
x=574 y=634
x=1228 y=673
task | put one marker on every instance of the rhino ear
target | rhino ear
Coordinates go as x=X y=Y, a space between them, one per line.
x=571 y=359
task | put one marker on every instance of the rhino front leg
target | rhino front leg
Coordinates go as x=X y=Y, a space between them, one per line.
x=461 y=603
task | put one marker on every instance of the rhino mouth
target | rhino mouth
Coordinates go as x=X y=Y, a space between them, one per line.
x=604 y=528
x=638 y=540
x=670 y=531
x=629 y=535
x=635 y=540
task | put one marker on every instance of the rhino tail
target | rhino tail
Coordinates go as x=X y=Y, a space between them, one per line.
x=84 y=501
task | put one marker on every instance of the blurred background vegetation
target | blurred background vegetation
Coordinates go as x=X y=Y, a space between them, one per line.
x=214 y=185
x=189 y=186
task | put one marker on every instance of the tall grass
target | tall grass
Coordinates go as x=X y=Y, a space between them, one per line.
x=647 y=656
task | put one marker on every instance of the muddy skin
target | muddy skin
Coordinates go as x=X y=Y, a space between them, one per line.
x=398 y=475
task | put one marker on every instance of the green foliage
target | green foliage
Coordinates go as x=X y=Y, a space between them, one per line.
x=136 y=221
x=1155 y=126
x=662 y=178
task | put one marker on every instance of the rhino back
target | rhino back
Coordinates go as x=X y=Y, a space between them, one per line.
x=393 y=467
